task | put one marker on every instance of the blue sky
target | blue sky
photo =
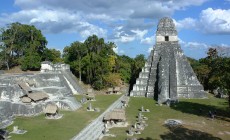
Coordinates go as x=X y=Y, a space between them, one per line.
x=131 y=24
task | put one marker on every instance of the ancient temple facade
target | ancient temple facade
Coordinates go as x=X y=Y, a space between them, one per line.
x=167 y=74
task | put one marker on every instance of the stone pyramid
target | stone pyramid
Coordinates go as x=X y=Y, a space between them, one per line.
x=167 y=74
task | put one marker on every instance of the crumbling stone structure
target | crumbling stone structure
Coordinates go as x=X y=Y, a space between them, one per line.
x=64 y=69
x=58 y=85
x=167 y=74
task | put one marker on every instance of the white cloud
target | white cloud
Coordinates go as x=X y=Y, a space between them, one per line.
x=115 y=49
x=103 y=17
x=55 y=21
x=121 y=36
x=182 y=4
x=186 y=23
x=139 y=34
x=126 y=38
x=126 y=22
x=118 y=51
x=90 y=29
x=148 y=40
x=196 y=45
x=215 y=21
x=212 y=21
x=129 y=8
x=75 y=16
x=193 y=45
x=193 y=49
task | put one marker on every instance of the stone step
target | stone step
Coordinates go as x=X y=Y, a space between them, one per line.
x=72 y=81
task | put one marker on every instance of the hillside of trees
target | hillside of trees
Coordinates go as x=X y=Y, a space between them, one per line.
x=94 y=62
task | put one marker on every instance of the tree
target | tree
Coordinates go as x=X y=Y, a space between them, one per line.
x=112 y=80
x=18 y=39
x=123 y=66
x=31 y=61
x=73 y=54
x=4 y=53
x=93 y=61
x=214 y=70
x=52 y=55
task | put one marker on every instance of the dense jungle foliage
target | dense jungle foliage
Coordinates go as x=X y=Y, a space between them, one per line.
x=24 y=45
x=95 y=63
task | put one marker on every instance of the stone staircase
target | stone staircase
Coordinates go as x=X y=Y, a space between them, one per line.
x=72 y=81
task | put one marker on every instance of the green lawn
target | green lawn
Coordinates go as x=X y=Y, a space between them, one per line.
x=196 y=125
x=65 y=128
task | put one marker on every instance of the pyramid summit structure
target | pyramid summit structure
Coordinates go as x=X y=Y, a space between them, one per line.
x=167 y=74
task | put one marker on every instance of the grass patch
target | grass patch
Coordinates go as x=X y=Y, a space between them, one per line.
x=196 y=125
x=65 y=128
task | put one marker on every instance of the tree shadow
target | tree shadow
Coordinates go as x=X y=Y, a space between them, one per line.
x=182 y=133
x=202 y=110
x=223 y=103
x=148 y=138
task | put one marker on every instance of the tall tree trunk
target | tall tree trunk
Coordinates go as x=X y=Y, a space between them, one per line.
x=229 y=99
x=7 y=65
x=79 y=63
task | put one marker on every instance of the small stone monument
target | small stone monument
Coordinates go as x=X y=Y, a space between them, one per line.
x=142 y=109
x=83 y=100
x=135 y=125
x=89 y=108
x=130 y=132
x=139 y=117
x=105 y=129
x=15 y=128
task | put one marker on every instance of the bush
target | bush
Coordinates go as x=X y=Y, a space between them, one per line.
x=31 y=62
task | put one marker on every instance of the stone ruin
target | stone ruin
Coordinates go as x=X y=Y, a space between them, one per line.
x=55 y=81
x=167 y=74
x=139 y=125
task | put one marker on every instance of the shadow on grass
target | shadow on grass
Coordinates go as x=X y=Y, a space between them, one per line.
x=202 y=110
x=224 y=103
x=182 y=133
x=148 y=138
